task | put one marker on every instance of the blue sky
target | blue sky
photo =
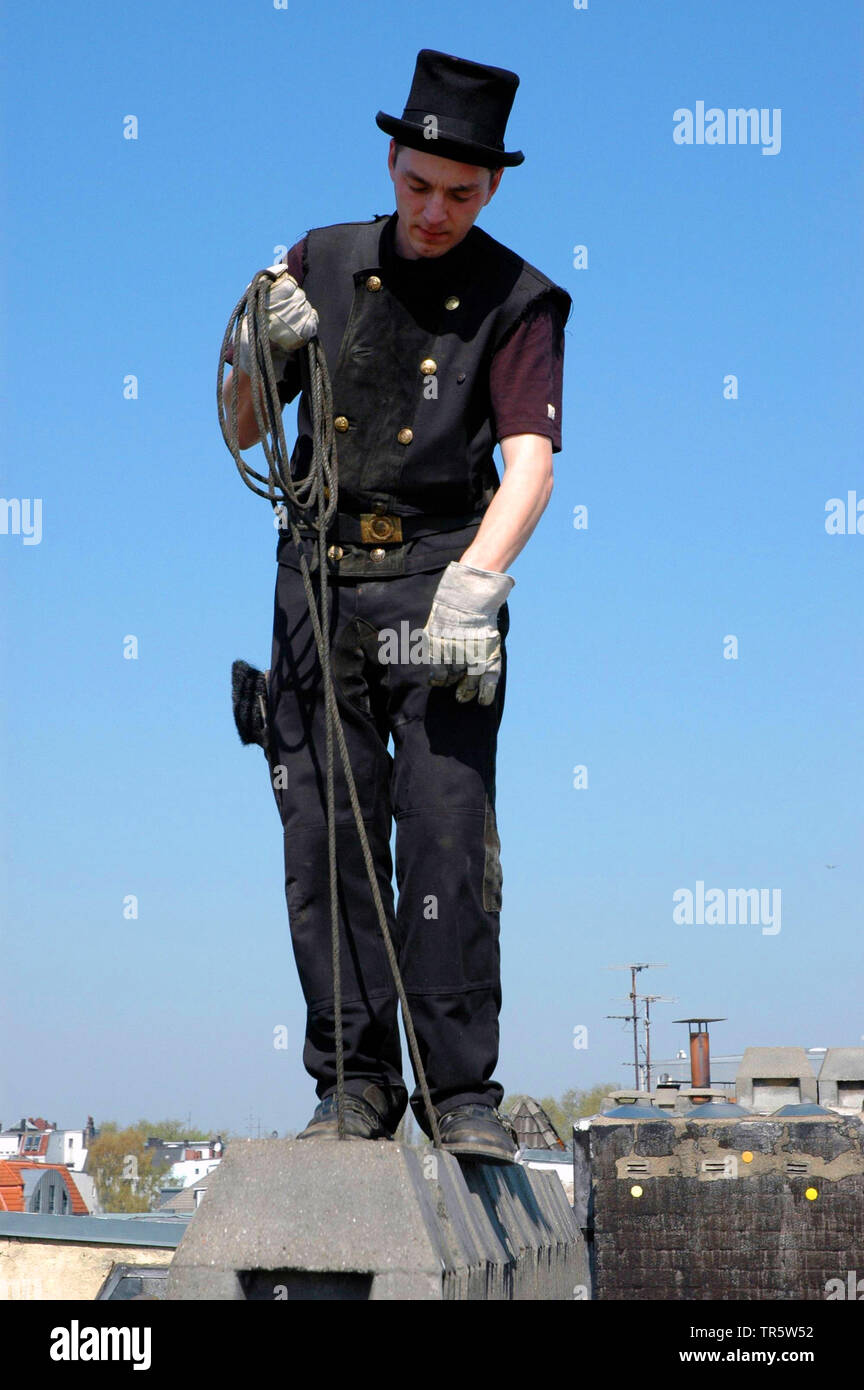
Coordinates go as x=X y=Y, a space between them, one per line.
x=706 y=519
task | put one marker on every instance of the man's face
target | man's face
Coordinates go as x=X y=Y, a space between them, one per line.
x=437 y=200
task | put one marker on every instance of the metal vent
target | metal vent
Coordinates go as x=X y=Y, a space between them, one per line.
x=726 y=1167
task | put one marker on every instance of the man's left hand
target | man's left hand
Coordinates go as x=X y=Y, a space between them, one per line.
x=462 y=631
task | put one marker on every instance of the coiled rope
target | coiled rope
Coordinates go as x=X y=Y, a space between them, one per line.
x=313 y=497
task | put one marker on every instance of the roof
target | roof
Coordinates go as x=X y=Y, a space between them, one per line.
x=41 y=1147
x=31 y=1178
x=26 y=1166
x=805 y=1109
x=843 y=1064
x=127 y=1228
x=533 y=1125
x=778 y=1063
x=635 y=1112
x=714 y=1110
x=11 y=1187
x=183 y=1202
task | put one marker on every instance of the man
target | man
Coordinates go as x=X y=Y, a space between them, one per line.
x=439 y=341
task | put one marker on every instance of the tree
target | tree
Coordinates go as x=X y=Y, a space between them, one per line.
x=123 y=1170
x=591 y=1101
x=572 y=1105
x=177 y=1129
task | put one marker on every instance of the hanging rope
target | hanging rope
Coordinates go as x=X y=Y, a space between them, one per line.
x=312 y=502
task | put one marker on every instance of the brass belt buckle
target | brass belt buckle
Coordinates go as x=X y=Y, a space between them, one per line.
x=376 y=527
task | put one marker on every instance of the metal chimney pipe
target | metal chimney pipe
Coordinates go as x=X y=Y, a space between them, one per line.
x=700 y=1054
x=700 y=1059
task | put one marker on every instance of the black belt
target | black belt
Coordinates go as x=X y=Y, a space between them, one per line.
x=385 y=528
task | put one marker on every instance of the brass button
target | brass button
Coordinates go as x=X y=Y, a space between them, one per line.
x=373 y=283
x=335 y=552
x=428 y=366
x=377 y=553
x=452 y=302
x=405 y=436
x=340 y=423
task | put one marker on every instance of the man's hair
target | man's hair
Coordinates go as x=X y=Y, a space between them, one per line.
x=397 y=149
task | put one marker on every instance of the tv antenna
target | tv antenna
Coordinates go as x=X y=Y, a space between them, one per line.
x=633 y=1017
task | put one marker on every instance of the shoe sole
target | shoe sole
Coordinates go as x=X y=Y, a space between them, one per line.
x=478 y=1151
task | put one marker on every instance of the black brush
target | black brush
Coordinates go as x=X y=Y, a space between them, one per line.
x=249 y=701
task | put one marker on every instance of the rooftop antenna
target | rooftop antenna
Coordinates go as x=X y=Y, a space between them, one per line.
x=649 y=1000
x=634 y=967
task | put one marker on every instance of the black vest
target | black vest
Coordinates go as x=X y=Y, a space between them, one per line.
x=408 y=346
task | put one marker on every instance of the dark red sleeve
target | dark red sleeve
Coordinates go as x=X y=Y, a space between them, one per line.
x=290 y=384
x=526 y=376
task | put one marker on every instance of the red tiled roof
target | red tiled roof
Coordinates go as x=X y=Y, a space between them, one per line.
x=41 y=1148
x=77 y=1205
x=11 y=1188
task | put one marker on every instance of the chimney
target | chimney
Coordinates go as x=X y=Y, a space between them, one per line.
x=700 y=1054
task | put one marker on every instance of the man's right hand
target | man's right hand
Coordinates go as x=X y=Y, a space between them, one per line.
x=291 y=320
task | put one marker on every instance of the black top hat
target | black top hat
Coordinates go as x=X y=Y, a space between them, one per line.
x=457 y=109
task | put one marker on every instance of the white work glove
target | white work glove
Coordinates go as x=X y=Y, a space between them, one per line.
x=291 y=320
x=464 y=643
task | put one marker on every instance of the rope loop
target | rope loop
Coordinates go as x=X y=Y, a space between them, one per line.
x=311 y=501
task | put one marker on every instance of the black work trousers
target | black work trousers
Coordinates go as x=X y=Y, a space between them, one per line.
x=439 y=788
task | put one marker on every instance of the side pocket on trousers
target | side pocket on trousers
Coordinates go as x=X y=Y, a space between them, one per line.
x=492 y=876
x=277 y=772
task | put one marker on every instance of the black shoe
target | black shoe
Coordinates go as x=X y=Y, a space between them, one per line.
x=362 y=1121
x=476 y=1131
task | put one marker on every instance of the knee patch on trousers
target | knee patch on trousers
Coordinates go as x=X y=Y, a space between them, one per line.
x=492 y=875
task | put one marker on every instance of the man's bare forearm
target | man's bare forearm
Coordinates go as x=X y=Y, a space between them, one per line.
x=247 y=425
x=517 y=506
